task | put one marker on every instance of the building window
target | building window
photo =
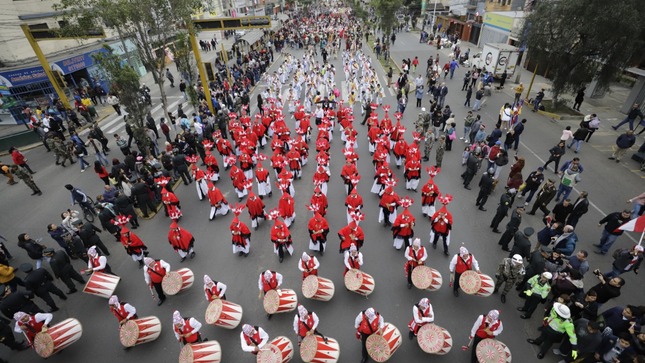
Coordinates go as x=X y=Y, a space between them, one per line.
x=39 y=26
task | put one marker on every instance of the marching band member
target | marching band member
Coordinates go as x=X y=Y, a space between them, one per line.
x=422 y=314
x=460 y=263
x=415 y=256
x=308 y=264
x=186 y=329
x=214 y=289
x=367 y=322
x=181 y=241
x=219 y=204
x=122 y=310
x=253 y=338
x=240 y=233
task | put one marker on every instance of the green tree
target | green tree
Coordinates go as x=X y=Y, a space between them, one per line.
x=582 y=40
x=125 y=81
x=152 y=25
x=386 y=11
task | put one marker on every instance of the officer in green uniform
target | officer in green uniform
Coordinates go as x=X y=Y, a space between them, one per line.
x=26 y=178
x=511 y=271
x=556 y=325
x=539 y=287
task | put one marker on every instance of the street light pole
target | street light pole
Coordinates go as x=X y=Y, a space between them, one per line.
x=434 y=17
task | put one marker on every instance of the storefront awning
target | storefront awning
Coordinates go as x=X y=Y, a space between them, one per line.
x=252 y=36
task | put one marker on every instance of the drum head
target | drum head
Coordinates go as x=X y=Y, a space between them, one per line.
x=213 y=311
x=171 y=283
x=470 y=282
x=129 y=334
x=309 y=348
x=378 y=348
x=493 y=351
x=44 y=345
x=271 y=301
x=422 y=277
x=434 y=339
x=353 y=279
x=310 y=286
x=269 y=354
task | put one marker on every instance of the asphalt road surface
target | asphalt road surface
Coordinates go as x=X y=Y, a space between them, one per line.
x=608 y=184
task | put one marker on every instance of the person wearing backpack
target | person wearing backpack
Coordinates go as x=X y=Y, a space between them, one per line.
x=626 y=260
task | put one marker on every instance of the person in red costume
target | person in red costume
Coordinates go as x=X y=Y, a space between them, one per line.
x=308 y=264
x=240 y=233
x=348 y=172
x=383 y=173
x=200 y=181
x=181 y=241
x=486 y=327
x=239 y=182
x=388 y=204
x=170 y=201
x=214 y=289
x=318 y=230
x=286 y=206
x=321 y=177
x=353 y=202
x=352 y=259
x=415 y=255
x=422 y=314
x=30 y=325
x=255 y=206
x=441 y=225
x=263 y=178
x=219 y=204
x=212 y=168
x=293 y=159
x=280 y=236
x=429 y=193
x=403 y=226
x=399 y=149
x=352 y=233
x=134 y=246
x=320 y=201
x=412 y=173
x=368 y=322
x=460 y=263
x=186 y=329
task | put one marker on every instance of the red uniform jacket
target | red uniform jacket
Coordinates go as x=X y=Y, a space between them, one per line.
x=280 y=233
x=349 y=234
x=255 y=206
x=368 y=328
x=179 y=239
x=388 y=199
x=286 y=206
x=215 y=196
x=441 y=221
x=261 y=174
x=320 y=201
x=429 y=193
x=318 y=228
x=239 y=232
x=403 y=224
x=132 y=243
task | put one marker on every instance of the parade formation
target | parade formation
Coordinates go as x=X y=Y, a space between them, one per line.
x=304 y=130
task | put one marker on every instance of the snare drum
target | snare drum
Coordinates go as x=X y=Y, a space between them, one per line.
x=314 y=349
x=359 y=282
x=493 y=351
x=473 y=283
x=381 y=347
x=279 y=350
x=224 y=314
x=280 y=301
x=434 y=339
x=57 y=337
x=317 y=288
x=206 y=352
x=139 y=331
x=426 y=278
x=101 y=284
x=176 y=281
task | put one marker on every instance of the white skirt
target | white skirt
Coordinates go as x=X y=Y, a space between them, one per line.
x=221 y=211
x=202 y=189
x=264 y=188
x=245 y=249
x=289 y=248
x=376 y=187
x=289 y=220
x=428 y=210
x=315 y=247
x=381 y=216
x=412 y=184
x=249 y=174
x=398 y=242
x=399 y=160
x=215 y=177
x=241 y=193
x=371 y=147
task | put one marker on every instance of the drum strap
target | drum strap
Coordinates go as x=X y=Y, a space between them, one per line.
x=155 y=272
x=305 y=322
x=421 y=311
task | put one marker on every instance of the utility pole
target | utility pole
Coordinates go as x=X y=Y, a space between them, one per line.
x=434 y=17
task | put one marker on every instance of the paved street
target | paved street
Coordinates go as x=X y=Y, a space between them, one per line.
x=609 y=185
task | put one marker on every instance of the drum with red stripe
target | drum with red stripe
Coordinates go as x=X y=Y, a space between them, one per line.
x=381 y=347
x=314 y=349
x=434 y=339
x=139 y=331
x=176 y=281
x=493 y=351
x=101 y=284
x=206 y=352
x=473 y=283
x=359 y=282
x=426 y=278
x=317 y=288
x=57 y=337
x=224 y=314
x=279 y=350
x=280 y=301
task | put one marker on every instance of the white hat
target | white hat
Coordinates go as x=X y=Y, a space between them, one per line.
x=177 y=319
x=517 y=259
x=416 y=242
x=424 y=302
x=148 y=260
x=352 y=248
x=207 y=280
x=305 y=257
x=302 y=312
x=493 y=315
x=19 y=315
x=423 y=109
x=370 y=313
x=463 y=250
x=92 y=251
x=638 y=248
x=562 y=310
x=248 y=329
x=267 y=274
x=547 y=275
x=114 y=300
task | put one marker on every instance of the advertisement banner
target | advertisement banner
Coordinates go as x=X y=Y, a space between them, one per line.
x=76 y=63
x=21 y=77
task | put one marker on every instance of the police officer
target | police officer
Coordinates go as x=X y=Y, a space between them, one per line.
x=87 y=232
x=7 y=338
x=63 y=269
x=13 y=302
x=39 y=281
x=511 y=272
x=27 y=178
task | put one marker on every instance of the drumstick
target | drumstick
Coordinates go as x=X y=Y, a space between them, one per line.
x=465 y=347
x=152 y=293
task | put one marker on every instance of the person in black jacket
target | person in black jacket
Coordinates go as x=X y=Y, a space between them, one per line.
x=34 y=248
x=556 y=153
x=544 y=197
x=533 y=182
x=608 y=288
x=502 y=210
x=13 y=302
x=611 y=232
x=580 y=207
x=63 y=269
x=122 y=205
x=39 y=282
x=562 y=210
x=181 y=167
x=512 y=226
x=472 y=164
x=87 y=232
x=106 y=215
x=141 y=194
x=485 y=188
x=626 y=260
x=522 y=243
x=7 y=338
